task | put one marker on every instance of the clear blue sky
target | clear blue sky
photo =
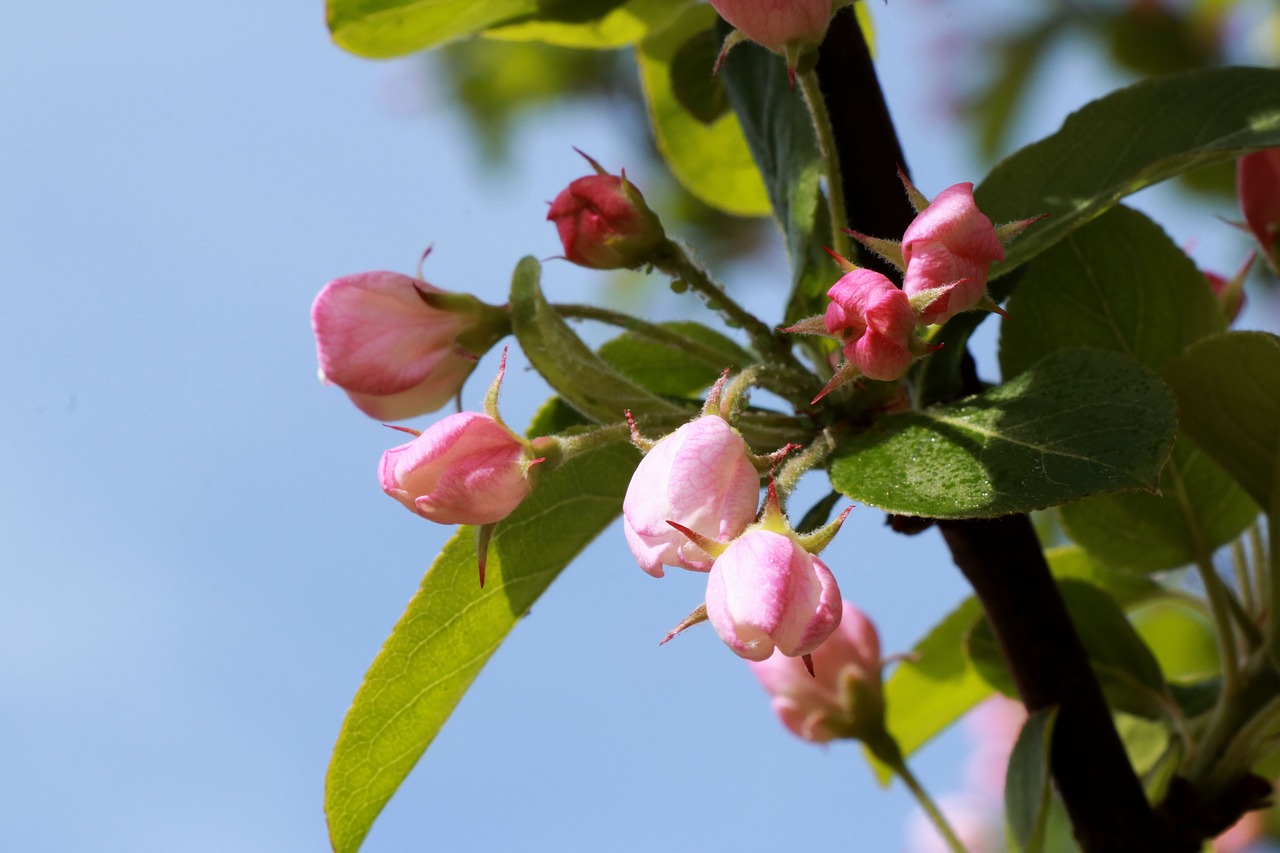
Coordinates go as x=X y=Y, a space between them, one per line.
x=196 y=562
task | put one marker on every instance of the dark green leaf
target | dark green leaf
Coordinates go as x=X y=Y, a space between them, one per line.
x=1077 y=423
x=1228 y=389
x=701 y=94
x=452 y=626
x=1119 y=283
x=1125 y=141
x=711 y=160
x=1028 y=787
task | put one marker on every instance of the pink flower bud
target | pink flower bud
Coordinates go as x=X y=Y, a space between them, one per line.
x=844 y=697
x=766 y=592
x=1258 y=185
x=875 y=322
x=395 y=355
x=465 y=469
x=604 y=222
x=785 y=27
x=950 y=244
x=699 y=476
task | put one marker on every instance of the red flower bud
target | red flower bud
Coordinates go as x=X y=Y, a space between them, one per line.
x=1258 y=185
x=604 y=222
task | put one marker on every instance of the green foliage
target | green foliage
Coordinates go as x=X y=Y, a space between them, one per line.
x=1228 y=389
x=1028 y=789
x=1181 y=637
x=671 y=372
x=711 y=160
x=1125 y=141
x=380 y=29
x=1077 y=423
x=452 y=626
x=593 y=25
x=1119 y=283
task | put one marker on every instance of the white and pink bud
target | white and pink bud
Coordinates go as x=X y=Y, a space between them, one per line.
x=793 y=29
x=700 y=476
x=604 y=223
x=844 y=697
x=466 y=469
x=766 y=592
x=1258 y=186
x=874 y=322
x=398 y=346
x=948 y=249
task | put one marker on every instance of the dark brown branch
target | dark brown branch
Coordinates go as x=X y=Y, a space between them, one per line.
x=1001 y=558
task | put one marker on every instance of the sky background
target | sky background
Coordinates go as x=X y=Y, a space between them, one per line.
x=196 y=562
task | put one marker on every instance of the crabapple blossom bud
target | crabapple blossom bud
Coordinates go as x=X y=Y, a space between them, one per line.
x=699 y=476
x=950 y=244
x=789 y=29
x=398 y=346
x=844 y=698
x=465 y=469
x=604 y=222
x=874 y=321
x=765 y=591
x=1258 y=186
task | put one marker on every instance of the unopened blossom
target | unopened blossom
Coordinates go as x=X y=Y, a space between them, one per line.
x=874 y=322
x=394 y=354
x=951 y=245
x=604 y=223
x=465 y=469
x=789 y=28
x=844 y=696
x=700 y=476
x=1258 y=186
x=766 y=592
x=1230 y=291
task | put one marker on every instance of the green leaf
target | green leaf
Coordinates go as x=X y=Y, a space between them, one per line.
x=1181 y=637
x=380 y=29
x=711 y=160
x=611 y=25
x=676 y=373
x=780 y=134
x=576 y=373
x=1127 y=588
x=1129 y=139
x=1228 y=389
x=934 y=687
x=701 y=94
x=1028 y=784
x=1078 y=422
x=1119 y=283
x=452 y=626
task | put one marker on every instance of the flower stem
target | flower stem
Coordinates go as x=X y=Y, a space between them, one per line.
x=885 y=748
x=812 y=91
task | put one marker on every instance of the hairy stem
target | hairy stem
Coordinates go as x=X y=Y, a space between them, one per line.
x=812 y=91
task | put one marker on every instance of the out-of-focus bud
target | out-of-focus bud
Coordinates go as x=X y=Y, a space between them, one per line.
x=874 y=322
x=948 y=249
x=604 y=222
x=791 y=29
x=765 y=591
x=700 y=476
x=1258 y=185
x=1230 y=291
x=844 y=697
x=398 y=346
x=465 y=469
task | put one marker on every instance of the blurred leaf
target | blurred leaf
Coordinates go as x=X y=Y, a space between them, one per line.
x=1125 y=141
x=701 y=94
x=609 y=25
x=1119 y=283
x=780 y=134
x=1028 y=782
x=452 y=626
x=1016 y=59
x=934 y=687
x=1127 y=588
x=1078 y=422
x=1181 y=637
x=1152 y=40
x=712 y=161
x=576 y=373
x=1228 y=389
x=380 y=29
x=664 y=370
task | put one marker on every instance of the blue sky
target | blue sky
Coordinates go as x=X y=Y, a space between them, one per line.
x=196 y=562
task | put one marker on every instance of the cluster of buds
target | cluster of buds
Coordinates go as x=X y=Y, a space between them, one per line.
x=944 y=257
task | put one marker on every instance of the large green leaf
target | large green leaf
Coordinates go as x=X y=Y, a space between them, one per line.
x=1079 y=422
x=1125 y=141
x=617 y=27
x=380 y=29
x=1028 y=787
x=711 y=160
x=452 y=626
x=1228 y=389
x=671 y=371
x=1119 y=283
